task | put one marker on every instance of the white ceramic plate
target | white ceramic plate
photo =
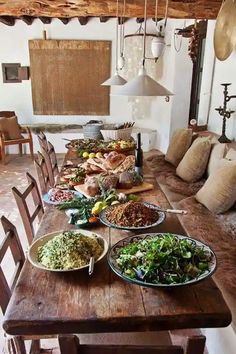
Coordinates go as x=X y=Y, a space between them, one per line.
x=46 y=197
x=33 y=250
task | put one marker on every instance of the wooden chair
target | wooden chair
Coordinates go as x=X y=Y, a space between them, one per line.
x=70 y=344
x=43 y=175
x=23 y=140
x=15 y=344
x=28 y=218
x=42 y=141
x=51 y=162
x=11 y=242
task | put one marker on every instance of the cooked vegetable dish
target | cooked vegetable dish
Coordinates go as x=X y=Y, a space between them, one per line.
x=69 y=250
x=164 y=259
x=132 y=214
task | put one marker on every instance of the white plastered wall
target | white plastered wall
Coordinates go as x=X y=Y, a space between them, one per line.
x=154 y=114
x=216 y=72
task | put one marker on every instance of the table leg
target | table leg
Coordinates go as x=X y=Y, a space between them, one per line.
x=20 y=149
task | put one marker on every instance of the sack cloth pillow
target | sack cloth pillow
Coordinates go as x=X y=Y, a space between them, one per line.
x=217 y=153
x=219 y=192
x=193 y=165
x=179 y=144
x=231 y=154
x=10 y=128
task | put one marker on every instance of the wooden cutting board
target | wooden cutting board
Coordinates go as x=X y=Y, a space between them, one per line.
x=136 y=189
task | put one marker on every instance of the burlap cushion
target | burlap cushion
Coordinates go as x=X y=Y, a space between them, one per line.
x=219 y=192
x=10 y=128
x=179 y=144
x=225 y=163
x=193 y=165
x=231 y=154
x=217 y=153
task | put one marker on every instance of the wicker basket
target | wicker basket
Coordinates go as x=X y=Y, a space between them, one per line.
x=123 y=134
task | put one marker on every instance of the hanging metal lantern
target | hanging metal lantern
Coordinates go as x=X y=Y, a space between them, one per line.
x=157 y=46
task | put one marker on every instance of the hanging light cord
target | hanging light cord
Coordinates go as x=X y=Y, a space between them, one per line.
x=117 y=24
x=122 y=31
x=166 y=13
x=144 y=35
x=156 y=7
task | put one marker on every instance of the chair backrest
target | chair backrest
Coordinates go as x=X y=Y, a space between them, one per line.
x=42 y=141
x=53 y=158
x=70 y=344
x=28 y=218
x=43 y=175
x=10 y=242
x=7 y=114
x=51 y=162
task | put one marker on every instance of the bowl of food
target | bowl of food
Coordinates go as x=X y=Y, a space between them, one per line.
x=57 y=196
x=162 y=260
x=65 y=251
x=132 y=215
x=82 y=217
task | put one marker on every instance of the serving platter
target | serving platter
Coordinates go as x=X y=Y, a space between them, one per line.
x=33 y=249
x=113 y=254
x=46 y=197
x=135 y=189
x=162 y=216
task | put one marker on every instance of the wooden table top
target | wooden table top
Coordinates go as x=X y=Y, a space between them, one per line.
x=52 y=303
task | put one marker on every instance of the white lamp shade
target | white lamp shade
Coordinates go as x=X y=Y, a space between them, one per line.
x=121 y=62
x=142 y=85
x=114 y=80
x=157 y=46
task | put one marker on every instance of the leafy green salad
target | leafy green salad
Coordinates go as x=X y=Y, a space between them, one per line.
x=164 y=259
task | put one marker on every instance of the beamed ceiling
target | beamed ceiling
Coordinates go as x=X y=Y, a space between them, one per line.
x=28 y=9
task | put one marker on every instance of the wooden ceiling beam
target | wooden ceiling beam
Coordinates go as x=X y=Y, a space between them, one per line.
x=45 y=20
x=7 y=20
x=64 y=20
x=200 y=9
x=122 y=20
x=139 y=19
x=83 y=20
x=27 y=19
x=104 y=19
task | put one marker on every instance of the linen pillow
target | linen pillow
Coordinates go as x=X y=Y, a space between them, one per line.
x=231 y=154
x=226 y=163
x=194 y=163
x=10 y=128
x=219 y=192
x=179 y=144
x=217 y=153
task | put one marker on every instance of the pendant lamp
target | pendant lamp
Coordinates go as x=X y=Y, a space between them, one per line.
x=116 y=79
x=143 y=84
x=121 y=59
x=158 y=42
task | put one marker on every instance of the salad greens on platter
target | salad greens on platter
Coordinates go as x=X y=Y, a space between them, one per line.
x=164 y=259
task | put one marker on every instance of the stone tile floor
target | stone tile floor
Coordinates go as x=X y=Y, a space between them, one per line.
x=13 y=174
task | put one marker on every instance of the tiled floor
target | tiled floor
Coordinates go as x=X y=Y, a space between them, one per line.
x=13 y=174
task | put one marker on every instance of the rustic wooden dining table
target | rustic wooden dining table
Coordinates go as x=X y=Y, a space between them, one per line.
x=44 y=302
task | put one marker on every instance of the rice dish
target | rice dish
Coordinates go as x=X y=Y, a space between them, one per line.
x=69 y=250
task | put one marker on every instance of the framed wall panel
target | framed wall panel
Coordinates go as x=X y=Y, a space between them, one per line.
x=66 y=77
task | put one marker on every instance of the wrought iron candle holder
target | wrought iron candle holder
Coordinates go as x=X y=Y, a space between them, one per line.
x=225 y=113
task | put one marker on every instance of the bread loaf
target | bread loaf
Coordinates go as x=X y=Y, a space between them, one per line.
x=91 y=186
x=114 y=160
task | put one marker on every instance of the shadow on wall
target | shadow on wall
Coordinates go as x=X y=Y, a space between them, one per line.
x=141 y=107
